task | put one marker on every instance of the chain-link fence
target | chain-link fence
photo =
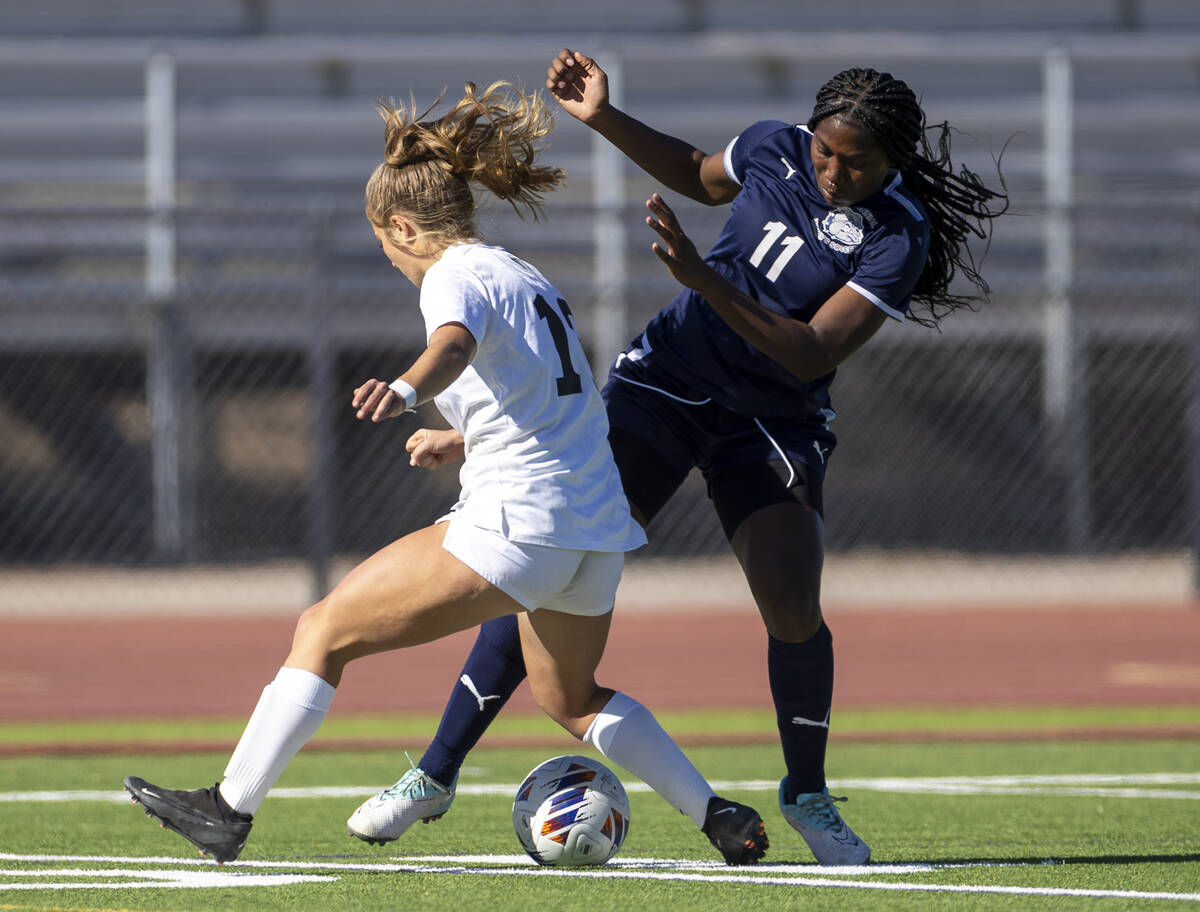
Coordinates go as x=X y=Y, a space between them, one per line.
x=210 y=423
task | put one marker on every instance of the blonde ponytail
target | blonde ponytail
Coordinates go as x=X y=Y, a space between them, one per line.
x=491 y=139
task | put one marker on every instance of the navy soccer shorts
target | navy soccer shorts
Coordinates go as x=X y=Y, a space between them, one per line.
x=658 y=435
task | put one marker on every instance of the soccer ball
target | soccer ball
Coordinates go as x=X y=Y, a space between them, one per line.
x=571 y=811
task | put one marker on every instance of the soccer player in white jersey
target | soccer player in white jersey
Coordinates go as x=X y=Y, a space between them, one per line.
x=542 y=525
x=836 y=226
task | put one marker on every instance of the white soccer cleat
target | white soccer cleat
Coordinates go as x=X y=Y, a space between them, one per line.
x=390 y=813
x=815 y=818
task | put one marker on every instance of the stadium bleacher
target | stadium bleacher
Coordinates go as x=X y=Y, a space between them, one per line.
x=276 y=135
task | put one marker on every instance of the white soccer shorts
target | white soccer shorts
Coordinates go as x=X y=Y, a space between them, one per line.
x=539 y=576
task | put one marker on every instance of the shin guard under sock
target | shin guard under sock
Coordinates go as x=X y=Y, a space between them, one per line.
x=627 y=733
x=801 y=676
x=289 y=712
x=493 y=671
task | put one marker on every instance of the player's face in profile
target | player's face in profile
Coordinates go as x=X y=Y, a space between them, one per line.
x=848 y=163
x=390 y=250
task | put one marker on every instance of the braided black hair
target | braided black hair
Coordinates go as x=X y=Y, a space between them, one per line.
x=958 y=204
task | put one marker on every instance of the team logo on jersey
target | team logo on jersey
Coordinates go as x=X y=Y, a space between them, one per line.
x=844 y=228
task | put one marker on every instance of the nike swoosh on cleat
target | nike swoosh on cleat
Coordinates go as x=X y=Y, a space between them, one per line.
x=724 y=811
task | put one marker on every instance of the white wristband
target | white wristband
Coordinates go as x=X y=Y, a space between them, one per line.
x=405 y=392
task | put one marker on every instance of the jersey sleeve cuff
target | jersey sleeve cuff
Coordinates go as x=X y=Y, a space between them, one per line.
x=877 y=301
x=727 y=160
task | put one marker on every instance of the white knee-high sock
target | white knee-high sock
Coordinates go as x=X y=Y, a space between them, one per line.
x=289 y=712
x=627 y=733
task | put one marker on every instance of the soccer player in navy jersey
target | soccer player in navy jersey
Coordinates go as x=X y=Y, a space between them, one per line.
x=835 y=226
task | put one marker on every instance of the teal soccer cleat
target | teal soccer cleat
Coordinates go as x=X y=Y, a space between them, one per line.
x=815 y=817
x=390 y=813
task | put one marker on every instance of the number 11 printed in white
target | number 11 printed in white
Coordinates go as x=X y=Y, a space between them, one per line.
x=791 y=244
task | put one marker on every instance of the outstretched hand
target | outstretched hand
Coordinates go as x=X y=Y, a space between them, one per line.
x=677 y=251
x=578 y=83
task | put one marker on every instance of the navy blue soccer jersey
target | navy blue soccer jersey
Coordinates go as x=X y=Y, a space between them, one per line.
x=789 y=249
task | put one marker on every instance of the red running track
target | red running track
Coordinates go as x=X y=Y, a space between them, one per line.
x=187 y=667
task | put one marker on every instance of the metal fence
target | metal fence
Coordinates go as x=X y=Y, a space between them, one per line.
x=175 y=368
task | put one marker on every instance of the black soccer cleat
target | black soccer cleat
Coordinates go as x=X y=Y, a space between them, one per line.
x=201 y=817
x=737 y=831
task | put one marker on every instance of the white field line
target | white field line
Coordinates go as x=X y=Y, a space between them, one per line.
x=136 y=878
x=764 y=875
x=1087 y=784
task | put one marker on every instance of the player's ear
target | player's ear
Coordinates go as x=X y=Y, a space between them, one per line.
x=404 y=230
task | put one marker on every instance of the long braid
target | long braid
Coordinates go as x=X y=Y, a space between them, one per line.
x=958 y=204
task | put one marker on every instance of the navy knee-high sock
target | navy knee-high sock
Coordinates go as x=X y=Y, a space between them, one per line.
x=492 y=672
x=801 y=677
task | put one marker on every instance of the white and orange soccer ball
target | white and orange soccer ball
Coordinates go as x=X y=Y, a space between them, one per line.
x=571 y=811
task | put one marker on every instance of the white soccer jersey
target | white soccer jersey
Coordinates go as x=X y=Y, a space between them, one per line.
x=538 y=466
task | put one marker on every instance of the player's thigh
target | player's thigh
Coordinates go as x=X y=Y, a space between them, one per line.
x=771 y=511
x=781 y=550
x=561 y=653
x=412 y=591
x=568 y=594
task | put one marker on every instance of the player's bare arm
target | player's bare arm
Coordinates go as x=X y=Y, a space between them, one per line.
x=808 y=350
x=581 y=88
x=451 y=348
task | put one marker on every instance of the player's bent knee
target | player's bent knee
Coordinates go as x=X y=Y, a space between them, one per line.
x=313 y=636
x=310 y=626
x=572 y=715
x=555 y=705
x=793 y=619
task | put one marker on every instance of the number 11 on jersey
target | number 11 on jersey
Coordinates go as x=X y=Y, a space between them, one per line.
x=791 y=244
